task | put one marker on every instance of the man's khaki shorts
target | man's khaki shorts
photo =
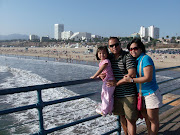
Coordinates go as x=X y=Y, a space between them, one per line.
x=126 y=106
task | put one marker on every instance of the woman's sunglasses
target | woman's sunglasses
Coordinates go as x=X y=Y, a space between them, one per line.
x=135 y=49
x=114 y=45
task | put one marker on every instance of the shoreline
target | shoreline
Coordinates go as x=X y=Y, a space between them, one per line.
x=83 y=54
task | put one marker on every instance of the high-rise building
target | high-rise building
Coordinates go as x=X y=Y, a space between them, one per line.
x=151 y=31
x=143 y=32
x=156 y=33
x=58 y=28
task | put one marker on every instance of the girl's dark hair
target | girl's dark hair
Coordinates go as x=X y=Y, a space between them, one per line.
x=139 y=44
x=100 y=48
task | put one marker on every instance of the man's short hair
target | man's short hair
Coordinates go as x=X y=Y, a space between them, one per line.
x=114 y=38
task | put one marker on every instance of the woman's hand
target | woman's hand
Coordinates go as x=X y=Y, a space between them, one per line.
x=127 y=78
x=111 y=83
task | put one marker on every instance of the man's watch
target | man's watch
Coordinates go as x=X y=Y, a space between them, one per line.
x=132 y=80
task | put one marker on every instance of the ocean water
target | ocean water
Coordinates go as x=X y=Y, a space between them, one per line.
x=27 y=71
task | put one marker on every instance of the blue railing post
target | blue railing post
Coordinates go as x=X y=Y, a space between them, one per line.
x=118 y=126
x=40 y=108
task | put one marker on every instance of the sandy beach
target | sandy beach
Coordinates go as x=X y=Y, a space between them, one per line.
x=83 y=53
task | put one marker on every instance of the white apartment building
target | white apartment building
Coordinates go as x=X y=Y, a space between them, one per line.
x=143 y=32
x=80 y=36
x=65 y=35
x=33 y=37
x=58 y=28
x=156 y=33
x=151 y=31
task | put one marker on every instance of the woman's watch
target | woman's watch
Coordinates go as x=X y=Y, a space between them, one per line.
x=132 y=80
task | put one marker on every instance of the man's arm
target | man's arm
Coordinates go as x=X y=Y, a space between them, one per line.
x=131 y=73
x=131 y=68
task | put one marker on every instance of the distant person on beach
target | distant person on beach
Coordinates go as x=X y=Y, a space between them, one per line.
x=150 y=90
x=106 y=106
x=125 y=95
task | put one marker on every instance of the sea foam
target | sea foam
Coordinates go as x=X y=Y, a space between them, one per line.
x=54 y=115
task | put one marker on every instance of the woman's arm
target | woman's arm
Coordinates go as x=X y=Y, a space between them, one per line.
x=99 y=71
x=148 y=75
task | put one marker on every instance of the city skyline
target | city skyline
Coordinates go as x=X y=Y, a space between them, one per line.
x=103 y=17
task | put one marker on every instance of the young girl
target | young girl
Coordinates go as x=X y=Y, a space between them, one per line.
x=107 y=92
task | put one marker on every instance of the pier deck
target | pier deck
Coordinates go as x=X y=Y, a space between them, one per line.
x=169 y=123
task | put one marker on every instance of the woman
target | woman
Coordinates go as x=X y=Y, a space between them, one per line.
x=150 y=91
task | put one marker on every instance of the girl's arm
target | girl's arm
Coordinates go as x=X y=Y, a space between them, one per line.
x=148 y=75
x=99 y=70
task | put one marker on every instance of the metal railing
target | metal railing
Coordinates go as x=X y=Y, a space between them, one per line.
x=41 y=104
x=163 y=69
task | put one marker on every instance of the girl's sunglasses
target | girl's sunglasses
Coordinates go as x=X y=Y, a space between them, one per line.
x=135 y=49
x=114 y=45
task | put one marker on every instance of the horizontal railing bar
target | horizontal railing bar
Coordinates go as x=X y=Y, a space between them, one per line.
x=17 y=109
x=162 y=69
x=170 y=91
x=70 y=124
x=60 y=84
x=170 y=102
x=110 y=132
x=169 y=86
x=67 y=99
x=54 y=85
x=45 y=86
x=168 y=80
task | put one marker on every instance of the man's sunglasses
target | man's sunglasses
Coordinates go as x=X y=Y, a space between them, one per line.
x=135 y=49
x=114 y=45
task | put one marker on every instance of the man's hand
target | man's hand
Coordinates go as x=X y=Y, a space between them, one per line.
x=111 y=83
x=127 y=78
x=102 y=76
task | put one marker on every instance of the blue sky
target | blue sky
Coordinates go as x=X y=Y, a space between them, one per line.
x=101 y=17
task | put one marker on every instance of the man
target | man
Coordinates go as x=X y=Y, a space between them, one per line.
x=125 y=93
